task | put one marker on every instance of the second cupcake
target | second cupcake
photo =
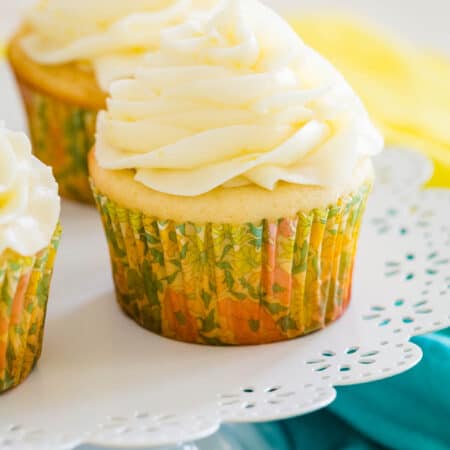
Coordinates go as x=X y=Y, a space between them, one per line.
x=231 y=174
x=29 y=237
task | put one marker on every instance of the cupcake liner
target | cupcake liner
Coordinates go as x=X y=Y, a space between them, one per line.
x=224 y=284
x=24 y=288
x=62 y=135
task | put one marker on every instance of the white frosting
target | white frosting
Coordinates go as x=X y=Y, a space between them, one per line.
x=233 y=100
x=29 y=201
x=112 y=35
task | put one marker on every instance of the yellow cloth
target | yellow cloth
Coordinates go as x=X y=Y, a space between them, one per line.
x=406 y=92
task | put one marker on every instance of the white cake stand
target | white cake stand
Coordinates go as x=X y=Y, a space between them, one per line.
x=105 y=381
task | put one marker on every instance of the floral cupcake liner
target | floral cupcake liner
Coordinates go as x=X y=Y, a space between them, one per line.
x=24 y=288
x=224 y=284
x=62 y=135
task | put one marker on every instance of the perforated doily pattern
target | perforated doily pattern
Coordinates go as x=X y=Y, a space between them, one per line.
x=103 y=380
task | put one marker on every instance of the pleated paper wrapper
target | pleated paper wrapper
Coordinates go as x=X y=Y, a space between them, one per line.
x=224 y=284
x=62 y=135
x=24 y=288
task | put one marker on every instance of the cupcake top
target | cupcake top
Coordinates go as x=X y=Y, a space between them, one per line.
x=29 y=201
x=111 y=35
x=234 y=99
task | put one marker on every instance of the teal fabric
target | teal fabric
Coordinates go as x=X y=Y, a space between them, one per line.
x=407 y=412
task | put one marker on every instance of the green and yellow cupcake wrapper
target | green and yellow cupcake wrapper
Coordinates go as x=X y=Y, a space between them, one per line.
x=24 y=288
x=224 y=284
x=62 y=135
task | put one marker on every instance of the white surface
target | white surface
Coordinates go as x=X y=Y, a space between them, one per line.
x=104 y=380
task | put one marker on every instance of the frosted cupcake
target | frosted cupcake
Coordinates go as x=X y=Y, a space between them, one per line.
x=29 y=236
x=64 y=57
x=231 y=174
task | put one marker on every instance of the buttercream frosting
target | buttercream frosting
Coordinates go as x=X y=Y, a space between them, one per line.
x=111 y=35
x=29 y=201
x=232 y=99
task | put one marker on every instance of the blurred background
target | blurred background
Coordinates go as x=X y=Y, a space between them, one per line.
x=424 y=22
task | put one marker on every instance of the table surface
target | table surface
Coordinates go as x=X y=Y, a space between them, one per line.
x=423 y=23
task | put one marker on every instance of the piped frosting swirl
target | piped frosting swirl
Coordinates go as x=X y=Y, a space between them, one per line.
x=29 y=201
x=232 y=99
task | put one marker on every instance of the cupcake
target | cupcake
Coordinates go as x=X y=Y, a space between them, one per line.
x=231 y=174
x=29 y=236
x=64 y=57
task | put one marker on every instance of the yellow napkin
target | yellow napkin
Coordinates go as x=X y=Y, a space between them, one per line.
x=406 y=92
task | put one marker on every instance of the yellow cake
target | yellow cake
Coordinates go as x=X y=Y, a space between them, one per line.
x=71 y=83
x=226 y=206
